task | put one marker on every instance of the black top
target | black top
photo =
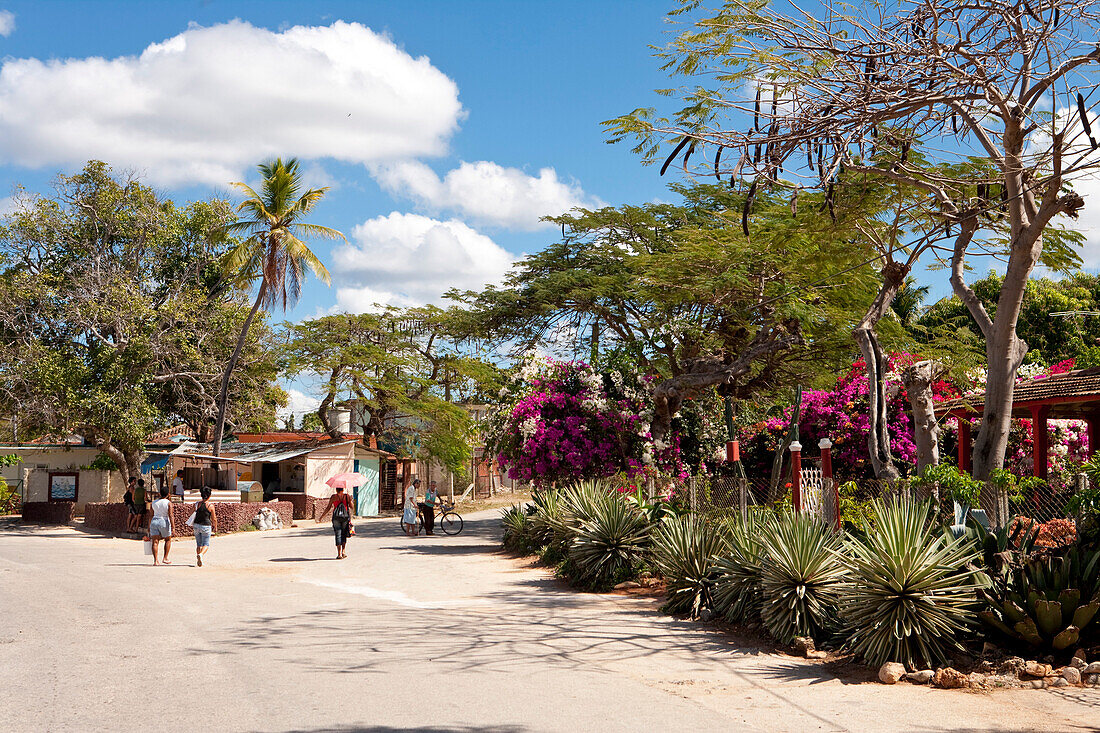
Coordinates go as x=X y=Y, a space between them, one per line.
x=202 y=514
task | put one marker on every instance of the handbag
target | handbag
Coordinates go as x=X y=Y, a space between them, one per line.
x=148 y=545
x=191 y=520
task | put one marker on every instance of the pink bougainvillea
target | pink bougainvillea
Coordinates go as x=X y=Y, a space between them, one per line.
x=564 y=421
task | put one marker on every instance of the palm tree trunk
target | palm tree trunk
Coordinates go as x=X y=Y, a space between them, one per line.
x=223 y=397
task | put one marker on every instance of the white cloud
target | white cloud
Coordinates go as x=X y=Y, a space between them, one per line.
x=487 y=192
x=209 y=103
x=1088 y=221
x=298 y=403
x=7 y=23
x=407 y=259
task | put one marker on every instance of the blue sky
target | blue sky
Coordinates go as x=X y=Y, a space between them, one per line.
x=510 y=96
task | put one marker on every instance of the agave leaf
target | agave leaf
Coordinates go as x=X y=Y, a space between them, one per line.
x=1084 y=614
x=1013 y=612
x=1067 y=637
x=1070 y=598
x=1048 y=617
x=1026 y=630
x=992 y=619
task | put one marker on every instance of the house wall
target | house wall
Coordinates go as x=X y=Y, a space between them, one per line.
x=323 y=464
x=92 y=486
x=51 y=459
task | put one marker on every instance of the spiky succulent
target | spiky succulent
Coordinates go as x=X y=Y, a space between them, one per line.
x=610 y=544
x=517 y=529
x=801 y=578
x=910 y=594
x=737 y=573
x=684 y=551
x=1046 y=600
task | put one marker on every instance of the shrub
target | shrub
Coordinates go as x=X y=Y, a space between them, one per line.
x=737 y=592
x=548 y=528
x=684 y=552
x=801 y=578
x=910 y=594
x=1050 y=602
x=609 y=545
x=517 y=529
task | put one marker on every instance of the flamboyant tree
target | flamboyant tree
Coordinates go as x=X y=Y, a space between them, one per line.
x=994 y=97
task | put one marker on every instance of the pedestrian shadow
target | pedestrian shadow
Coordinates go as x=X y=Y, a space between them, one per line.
x=300 y=559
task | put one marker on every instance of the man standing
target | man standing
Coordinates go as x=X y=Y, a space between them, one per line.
x=139 y=505
x=427 y=507
x=131 y=509
x=177 y=485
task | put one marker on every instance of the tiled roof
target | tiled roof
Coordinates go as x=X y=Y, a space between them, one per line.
x=1070 y=395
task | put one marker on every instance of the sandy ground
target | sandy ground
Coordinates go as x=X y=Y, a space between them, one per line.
x=434 y=633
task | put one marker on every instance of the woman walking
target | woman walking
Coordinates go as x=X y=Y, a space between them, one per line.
x=340 y=505
x=408 y=518
x=160 y=526
x=206 y=523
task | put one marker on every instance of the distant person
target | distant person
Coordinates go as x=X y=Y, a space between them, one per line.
x=427 y=508
x=128 y=500
x=408 y=518
x=177 y=485
x=139 y=505
x=206 y=524
x=340 y=505
x=160 y=526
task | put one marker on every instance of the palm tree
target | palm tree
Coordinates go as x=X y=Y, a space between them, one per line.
x=271 y=250
x=909 y=302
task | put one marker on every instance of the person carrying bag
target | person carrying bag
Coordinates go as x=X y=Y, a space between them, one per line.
x=340 y=506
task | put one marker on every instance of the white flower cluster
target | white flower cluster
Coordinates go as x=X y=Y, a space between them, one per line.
x=528 y=427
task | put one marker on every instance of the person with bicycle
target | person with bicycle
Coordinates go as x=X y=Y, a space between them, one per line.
x=427 y=508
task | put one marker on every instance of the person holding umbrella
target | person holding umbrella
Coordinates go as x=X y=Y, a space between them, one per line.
x=340 y=506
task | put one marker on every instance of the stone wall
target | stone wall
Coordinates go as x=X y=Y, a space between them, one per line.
x=232 y=516
x=48 y=512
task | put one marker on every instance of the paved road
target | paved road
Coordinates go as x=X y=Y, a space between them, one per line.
x=437 y=634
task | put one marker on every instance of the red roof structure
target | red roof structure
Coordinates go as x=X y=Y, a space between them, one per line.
x=1071 y=396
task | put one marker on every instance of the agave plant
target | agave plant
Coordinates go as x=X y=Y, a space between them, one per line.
x=548 y=521
x=684 y=551
x=910 y=593
x=737 y=593
x=517 y=529
x=801 y=578
x=1046 y=600
x=610 y=544
x=582 y=500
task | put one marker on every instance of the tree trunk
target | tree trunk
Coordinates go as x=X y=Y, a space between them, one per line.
x=129 y=462
x=223 y=397
x=917 y=380
x=878 y=436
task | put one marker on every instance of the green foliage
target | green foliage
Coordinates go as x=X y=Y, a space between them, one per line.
x=1050 y=339
x=609 y=544
x=1085 y=503
x=11 y=459
x=953 y=484
x=517 y=529
x=122 y=315
x=802 y=577
x=738 y=593
x=1047 y=601
x=548 y=524
x=9 y=498
x=856 y=515
x=407 y=367
x=102 y=462
x=684 y=552
x=910 y=594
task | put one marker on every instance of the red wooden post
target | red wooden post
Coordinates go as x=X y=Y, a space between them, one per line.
x=1040 y=440
x=1093 y=422
x=796 y=475
x=826 y=447
x=964 y=442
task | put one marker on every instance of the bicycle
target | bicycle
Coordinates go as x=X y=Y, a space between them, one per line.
x=446 y=519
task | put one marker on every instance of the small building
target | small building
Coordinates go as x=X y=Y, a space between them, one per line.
x=300 y=465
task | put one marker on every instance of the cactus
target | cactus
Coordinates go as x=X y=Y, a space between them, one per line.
x=1046 y=600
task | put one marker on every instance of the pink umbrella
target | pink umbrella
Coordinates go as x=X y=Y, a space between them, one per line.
x=345 y=480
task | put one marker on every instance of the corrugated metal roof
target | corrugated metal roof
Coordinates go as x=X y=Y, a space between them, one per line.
x=252 y=452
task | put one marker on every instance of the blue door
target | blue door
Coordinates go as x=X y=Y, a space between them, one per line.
x=366 y=498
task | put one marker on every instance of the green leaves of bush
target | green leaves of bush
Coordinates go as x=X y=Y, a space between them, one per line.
x=609 y=545
x=910 y=594
x=684 y=551
x=737 y=594
x=802 y=577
